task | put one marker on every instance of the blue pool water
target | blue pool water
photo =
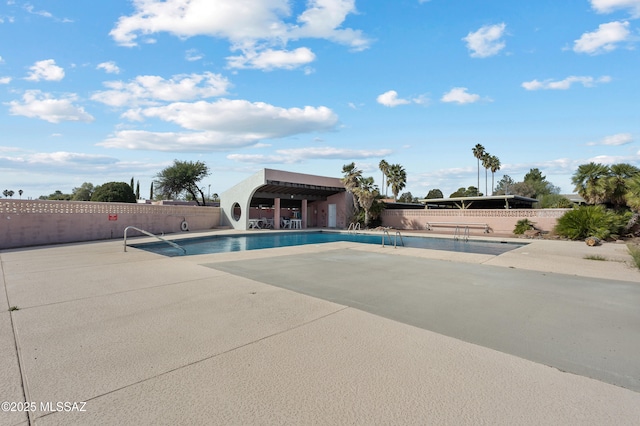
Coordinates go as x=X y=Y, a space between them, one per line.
x=223 y=244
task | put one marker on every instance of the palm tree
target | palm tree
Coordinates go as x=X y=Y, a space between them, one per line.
x=384 y=168
x=486 y=159
x=366 y=192
x=397 y=179
x=633 y=193
x=494 y=165
x=590 y=182
x=478 y=152
x=617 y=183
x=20 y=192
x=351 y=181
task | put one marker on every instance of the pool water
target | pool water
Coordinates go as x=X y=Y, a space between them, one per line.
x=228 y=243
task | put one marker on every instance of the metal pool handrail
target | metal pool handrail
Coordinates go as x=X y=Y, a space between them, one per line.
x=171 y=243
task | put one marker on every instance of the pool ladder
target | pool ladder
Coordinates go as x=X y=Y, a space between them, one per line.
x=461 y=232
x=171 y=243
x=395 y=238
x=353 y=228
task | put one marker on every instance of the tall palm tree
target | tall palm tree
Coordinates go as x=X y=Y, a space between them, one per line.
x=397 y=179
x=384 y=168
x=590 y=182
x=366 y=193
x=486 y=159
x=478 y=152
x=494 y=165
x=617 y=184
x=351 y=181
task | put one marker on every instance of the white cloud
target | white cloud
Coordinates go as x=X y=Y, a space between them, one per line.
x=109 y=67
x=487 y=41
x=271 y=59
x=193 y=55
x=5 y=80
x=564 y=84
x=390 y=99
x=459 y=95
x=178 y=141
x=149 y=89
x=36 y=104
x=614 y=140
x=244 y=117
x=608 y=6
x=222 y=125
x=249 y=25
x=298 y=155
x=604 y=39
x=45 y=70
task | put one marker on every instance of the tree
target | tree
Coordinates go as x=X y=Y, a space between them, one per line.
x=537 y=184
x=366 y=192
x=434 y=193
x=151 y=191
x=486 y=158
x=181 y=177
x=351 y=181
x=633 y=193
x=5 y=193
x=471 y=191
x=494 y=165
x=590 y=182
x=138 y=190
x=478 y=152
x=20 y=192
x=407 y=197
x=83 y=193
x=58 y=195
x=132 y=188
x=384 y=168
x=618 y=181
x=114 y=192
x=397 y=179
x=504 y=185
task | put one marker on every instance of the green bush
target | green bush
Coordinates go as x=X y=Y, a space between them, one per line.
x=522 y=226
x=114 y=192
x=591 y=221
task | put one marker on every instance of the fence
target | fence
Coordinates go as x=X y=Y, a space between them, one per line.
x=498 y=221
x=36 y=222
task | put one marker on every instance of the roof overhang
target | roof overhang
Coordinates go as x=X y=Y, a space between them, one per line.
x=490 y=202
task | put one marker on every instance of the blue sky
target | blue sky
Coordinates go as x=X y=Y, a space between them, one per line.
x=105 y=91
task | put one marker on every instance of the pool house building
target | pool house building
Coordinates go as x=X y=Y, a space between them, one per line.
x=277 y=199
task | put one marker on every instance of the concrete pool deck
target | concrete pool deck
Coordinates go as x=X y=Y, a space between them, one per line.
x=146 y=339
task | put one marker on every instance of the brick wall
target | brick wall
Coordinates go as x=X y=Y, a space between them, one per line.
x=26 y=223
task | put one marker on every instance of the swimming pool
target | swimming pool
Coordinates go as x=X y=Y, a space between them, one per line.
x=229 y=243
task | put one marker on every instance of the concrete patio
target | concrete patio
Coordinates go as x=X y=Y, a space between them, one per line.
x=145 y=339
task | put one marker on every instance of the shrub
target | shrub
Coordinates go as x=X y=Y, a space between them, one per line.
x=522 y=226
x=114 y=192
x=634 y=251
x=591 y=221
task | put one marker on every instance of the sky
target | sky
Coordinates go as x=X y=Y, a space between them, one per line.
x=102 y=91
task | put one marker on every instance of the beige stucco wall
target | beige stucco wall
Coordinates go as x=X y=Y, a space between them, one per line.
x=27 y=223
x=501 y=222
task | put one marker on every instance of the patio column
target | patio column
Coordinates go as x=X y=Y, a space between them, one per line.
x=276 y=213
x=303 y=213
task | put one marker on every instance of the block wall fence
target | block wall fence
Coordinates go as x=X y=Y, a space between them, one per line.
x=499 y=222
x=25 y=223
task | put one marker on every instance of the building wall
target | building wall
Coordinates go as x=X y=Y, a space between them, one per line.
x=501 y=222
x=36 y=222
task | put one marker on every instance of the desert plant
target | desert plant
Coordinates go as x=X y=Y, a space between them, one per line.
x=591 y=221
x=522 y=226
x=634 y=251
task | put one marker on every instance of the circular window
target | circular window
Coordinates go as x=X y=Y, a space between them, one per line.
x=237 y=211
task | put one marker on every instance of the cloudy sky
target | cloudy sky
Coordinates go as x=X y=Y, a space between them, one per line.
x=109 y=90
